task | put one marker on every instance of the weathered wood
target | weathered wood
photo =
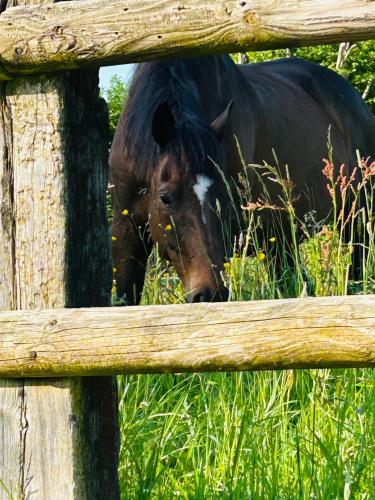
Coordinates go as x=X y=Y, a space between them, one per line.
x=7 y=238
x=58 y=438
x=12 y=423
x=80 y=33
x=293 y=333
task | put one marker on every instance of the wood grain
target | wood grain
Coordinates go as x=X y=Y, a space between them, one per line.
x=295 y=333
x=35 y=162
x=58 y=438
x=12 y=423
x=100 y=32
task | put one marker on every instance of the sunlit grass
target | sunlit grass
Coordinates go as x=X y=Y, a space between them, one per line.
x=263 y=435
x=249 y=435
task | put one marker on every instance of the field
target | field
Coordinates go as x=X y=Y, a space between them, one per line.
x=273 y=435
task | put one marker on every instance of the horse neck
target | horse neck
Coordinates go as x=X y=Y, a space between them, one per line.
x=216 y=84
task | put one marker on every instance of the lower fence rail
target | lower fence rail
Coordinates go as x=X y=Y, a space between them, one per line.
x=282 y=334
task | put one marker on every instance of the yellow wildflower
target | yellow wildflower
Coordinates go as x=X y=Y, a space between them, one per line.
x=226 y=265
x=261 y=256
x=114 y=269
x=114 y=238
x=273 y=239
x=168 y=227
x=125 y=212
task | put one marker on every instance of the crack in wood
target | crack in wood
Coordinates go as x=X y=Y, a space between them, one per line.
x=24 y=426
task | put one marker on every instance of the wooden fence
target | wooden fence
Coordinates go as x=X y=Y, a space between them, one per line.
x=59 y=437
x=269 y=334
x=75 y=34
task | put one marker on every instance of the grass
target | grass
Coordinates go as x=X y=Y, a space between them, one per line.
x=264 y=435
x=249 y=435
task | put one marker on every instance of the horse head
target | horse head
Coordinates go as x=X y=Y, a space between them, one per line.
x=190 y=200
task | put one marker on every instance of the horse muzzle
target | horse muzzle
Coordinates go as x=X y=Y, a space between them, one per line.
x=205 y=294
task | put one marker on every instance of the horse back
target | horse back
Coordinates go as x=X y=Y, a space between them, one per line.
x=332 y=93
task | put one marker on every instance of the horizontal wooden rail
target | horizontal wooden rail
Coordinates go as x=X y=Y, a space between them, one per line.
x=294 y=333
x=80 y=33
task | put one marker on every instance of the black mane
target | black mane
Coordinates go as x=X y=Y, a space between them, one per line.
x=176 y=82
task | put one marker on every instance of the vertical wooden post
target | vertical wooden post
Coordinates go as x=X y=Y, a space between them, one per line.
x=58 y=438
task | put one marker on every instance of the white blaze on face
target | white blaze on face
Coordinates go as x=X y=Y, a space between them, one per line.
x=200 y=189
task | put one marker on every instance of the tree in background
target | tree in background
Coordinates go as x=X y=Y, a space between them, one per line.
x=355 y=62
x=115 y=96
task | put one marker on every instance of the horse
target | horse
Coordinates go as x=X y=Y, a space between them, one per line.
x=188 y=127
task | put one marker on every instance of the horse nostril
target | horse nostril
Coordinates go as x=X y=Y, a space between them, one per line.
x=204 y=294
x=200 y=295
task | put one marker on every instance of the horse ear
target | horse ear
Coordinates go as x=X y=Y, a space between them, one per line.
x=219 y=123
x=163 y=124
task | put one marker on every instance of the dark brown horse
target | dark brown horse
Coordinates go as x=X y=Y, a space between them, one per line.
x=175 y=152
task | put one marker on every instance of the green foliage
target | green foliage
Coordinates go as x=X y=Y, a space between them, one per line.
x=289 y=435
x=358 y=68
x=115 y=97
x=295 y=434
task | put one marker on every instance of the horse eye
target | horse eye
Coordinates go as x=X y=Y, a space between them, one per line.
x=165 y=199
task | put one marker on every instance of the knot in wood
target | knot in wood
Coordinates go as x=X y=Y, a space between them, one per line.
x=251 y=18
x=33 y=355
x=18 y=51
x=58 y=30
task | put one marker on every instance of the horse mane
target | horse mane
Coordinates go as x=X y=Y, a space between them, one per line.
x=174 y=81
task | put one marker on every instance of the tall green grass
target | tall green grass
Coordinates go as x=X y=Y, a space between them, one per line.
x=267 y=435
x=249 y=435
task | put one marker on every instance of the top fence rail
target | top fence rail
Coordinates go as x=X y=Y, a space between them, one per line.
x=78 y=34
